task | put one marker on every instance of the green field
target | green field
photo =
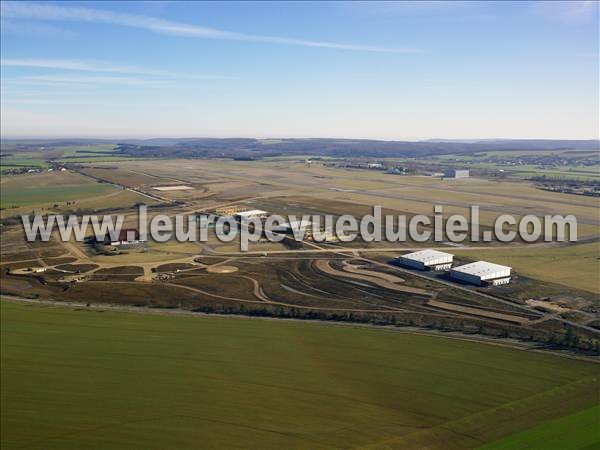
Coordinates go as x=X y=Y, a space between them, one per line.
x=41 y=157
x=103 y=380
x=48 y=188
x=51 y=194
x=576 y=431
x=14 y=163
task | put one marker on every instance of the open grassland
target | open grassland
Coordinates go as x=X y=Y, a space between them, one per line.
x=48 y=188
x=412 y=194
x=102 y=380
x=114 y=199
x=575 y=266
x=124 y=177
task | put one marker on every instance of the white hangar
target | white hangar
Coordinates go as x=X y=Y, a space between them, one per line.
x=482 y=273
x=426 y=260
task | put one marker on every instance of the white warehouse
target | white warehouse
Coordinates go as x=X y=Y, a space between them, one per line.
x=456 y=173
x=252 y=214
x=427 y=260
x=482 y=273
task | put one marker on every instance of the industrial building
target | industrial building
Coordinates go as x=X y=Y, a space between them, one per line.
x=230 y=210
x=325 y=234
x=426 y=260
x=127 y=236
x=482 y=273
x=456 y=173
x=251 y=214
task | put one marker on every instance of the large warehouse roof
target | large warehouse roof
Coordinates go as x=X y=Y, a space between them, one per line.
x=252 y=213
x=484 y=269
x=427 y=256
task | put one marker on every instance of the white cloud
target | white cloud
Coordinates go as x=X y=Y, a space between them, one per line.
x=97 y=66
x=66 y=65
x=34 y=29
x=54 y=12
x=93 y=80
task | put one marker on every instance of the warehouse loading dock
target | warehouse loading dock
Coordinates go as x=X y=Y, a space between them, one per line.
x=426 y=260
x=482 y=273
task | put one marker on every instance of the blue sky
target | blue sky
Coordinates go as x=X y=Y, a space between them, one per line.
x=410 y=70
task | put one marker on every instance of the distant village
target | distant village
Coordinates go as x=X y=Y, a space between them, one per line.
x=29 y=169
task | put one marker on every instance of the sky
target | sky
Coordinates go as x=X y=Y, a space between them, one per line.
x=401 y=71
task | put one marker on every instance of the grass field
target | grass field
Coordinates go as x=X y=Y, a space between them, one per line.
x=67 y=154
x=574 y=266
x=104 y=380
x=48 y=188
x=8 y=164
x=576 y=431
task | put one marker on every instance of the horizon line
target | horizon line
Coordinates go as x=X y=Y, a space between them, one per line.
x=439 y=140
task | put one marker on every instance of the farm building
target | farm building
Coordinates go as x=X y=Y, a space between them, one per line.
x=456 y=173
x=127 y=236
x=482 y=273
x=426 y=260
